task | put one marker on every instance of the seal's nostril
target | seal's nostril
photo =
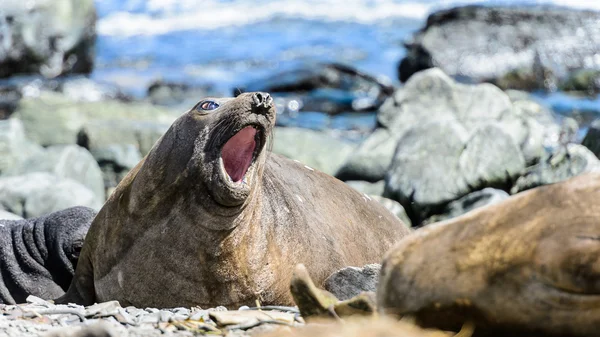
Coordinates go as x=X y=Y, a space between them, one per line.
x=262 y=100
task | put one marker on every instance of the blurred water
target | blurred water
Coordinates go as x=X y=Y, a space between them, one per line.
x=227 y=43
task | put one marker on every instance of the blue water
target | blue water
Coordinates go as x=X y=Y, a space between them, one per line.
x=227 y=43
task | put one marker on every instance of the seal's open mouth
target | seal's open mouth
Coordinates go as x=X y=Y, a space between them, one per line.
x=238 y=153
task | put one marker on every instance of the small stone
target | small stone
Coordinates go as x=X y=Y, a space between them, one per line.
x=351 y=281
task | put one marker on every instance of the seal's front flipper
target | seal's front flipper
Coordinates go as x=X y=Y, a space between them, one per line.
x=81 y=291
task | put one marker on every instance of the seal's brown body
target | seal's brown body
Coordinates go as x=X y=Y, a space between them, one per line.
x=529 y=266
x=175 y=233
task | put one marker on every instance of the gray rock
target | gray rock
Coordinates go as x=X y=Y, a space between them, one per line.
x=67 y=161
x=523 y=48
x=47 y=37
x=315 y=149
x=14 y=146
x=438 y=162
x=432 y=96
x=592 y=138
x=351 y=281
x=394 y=207
x=371 y=160
x=36 y=194
x=485 y=197
x=367 y=187
x=4 y=215
x=63 y=118
x=566 y=162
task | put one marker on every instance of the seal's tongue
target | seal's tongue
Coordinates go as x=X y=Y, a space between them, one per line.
x=237 y=153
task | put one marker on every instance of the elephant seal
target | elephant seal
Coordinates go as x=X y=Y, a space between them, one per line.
x=527 y=266
x=38 y=256
x=210 y=217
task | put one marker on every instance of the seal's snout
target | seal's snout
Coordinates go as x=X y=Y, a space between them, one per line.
x=261 y=102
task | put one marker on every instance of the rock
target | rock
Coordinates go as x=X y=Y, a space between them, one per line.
x=179 y=95
x=367 y=187
x=437 y=163
x=9 y=99
x=472 y=201
x=315 y=149
x=47 y=37
x=351 y=281
x=585 y=80
x=431 y=96
x=67 y=161
x=592 y=138
x=315 y=303
x=36 y=194
x=63 y=118
x=362 y=327
x=371 y=159
x=523 y=48
x=394 y=207
x=330 y=88
x=566 y=162
x=4 y=215
x=14 y=145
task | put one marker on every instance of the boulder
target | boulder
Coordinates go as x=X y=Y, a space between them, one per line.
x=35 y=194
x=527 y=48
x=351 y=281
x=438 y=162
x=471 y=201
x=315 y=149
x=4 y=215
x=432 y=96
x=367 y=187
x=47 y=37
x=566 y=162
x=394 y=207
x=592 y=138
x=67 y=161
x=14 y=145
x=53 y=118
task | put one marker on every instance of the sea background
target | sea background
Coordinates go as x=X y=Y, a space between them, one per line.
x=225 y=44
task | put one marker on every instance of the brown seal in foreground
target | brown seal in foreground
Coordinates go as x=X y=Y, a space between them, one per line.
x=528 y=266
x=210 y=217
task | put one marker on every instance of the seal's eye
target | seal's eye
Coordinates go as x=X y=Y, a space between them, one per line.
x=207 y=105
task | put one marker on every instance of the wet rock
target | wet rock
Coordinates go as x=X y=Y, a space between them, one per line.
x=318 y=150
x=472 y=201
x=47 y=37
x=14 y=145
x=566 y=162
x=66 y=161
x=585 y=80
x=432 y=96
x=63 y=118
x=330 y=88
x=351 y=281
x=9 y=99
x=523 y=48
x=36 y=194
x=394 y=207
x=4 y=215
x=592 y=138
x=367 y=187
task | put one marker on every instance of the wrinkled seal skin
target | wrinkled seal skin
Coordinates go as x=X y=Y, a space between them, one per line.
x=38 y=256
x=528 y=266
x=177 y=232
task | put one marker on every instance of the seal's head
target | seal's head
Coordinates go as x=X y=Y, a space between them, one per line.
x=234 y=152
x=212 y=157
